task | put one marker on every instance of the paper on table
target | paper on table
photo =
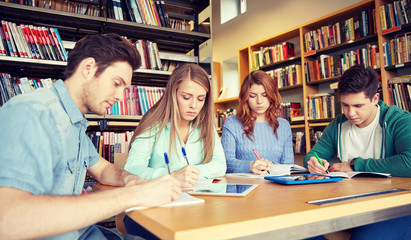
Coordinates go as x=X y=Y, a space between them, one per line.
x=362 y=174
x=183 y=199
x=200 y=183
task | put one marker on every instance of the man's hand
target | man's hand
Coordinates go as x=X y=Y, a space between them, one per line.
x=187 y=176
x=156 y=192
x=260 y=166
x=133 y=180
x=315 y=167
x=341 y=167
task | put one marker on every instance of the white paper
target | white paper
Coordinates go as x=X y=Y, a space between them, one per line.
x=183 y=199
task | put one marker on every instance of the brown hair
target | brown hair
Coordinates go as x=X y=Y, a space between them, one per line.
x=105 y=49
x=166 y=110
x=244 y=113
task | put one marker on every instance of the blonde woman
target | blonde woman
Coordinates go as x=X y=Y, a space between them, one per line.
x=183 y=117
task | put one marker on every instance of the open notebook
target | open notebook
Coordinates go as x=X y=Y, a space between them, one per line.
x=183 y=199
x=359 y=174
x=275 y=170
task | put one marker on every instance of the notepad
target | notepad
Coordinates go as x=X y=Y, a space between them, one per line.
x=183 y=199
x=358 y=174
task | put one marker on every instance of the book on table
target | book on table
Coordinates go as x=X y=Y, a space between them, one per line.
x=275 y=170
x=358 y=174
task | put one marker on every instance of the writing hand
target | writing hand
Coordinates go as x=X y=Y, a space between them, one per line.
x=156 y=192
x=260 y=166
x=315 y=167
x=341 y=167
x=187 y=176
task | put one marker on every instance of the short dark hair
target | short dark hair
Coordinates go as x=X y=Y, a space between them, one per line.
x=105 y=49
x=359 y=79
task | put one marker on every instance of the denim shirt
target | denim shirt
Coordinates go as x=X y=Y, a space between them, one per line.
x=43 y=145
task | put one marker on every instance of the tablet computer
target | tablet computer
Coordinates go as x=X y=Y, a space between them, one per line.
x=224 y=189
x=302 y=179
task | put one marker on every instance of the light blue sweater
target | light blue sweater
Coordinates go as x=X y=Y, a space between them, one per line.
x=146 y=160
x=238 y=148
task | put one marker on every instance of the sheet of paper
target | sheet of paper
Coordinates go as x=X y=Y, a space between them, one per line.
x=200 y=183
x=183 y=199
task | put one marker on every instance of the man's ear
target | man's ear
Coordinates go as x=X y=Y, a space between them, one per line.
x=376 y=98
x=88 y=67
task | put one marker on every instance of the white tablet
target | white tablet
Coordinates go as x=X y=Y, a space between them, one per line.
x=224 y=189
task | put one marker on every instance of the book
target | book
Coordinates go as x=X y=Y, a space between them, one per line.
x=275 y=170
x=358 y=174
x=183 y=199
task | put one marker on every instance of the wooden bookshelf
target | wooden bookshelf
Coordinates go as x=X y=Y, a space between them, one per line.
x=378 y=37
x=174 y=45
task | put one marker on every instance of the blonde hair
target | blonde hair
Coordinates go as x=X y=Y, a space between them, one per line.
x=166 y=110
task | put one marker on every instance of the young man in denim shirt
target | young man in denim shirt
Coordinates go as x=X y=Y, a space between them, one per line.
x=45 y=152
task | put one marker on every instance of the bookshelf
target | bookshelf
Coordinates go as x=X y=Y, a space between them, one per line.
x=174 y=45
x=298 y=36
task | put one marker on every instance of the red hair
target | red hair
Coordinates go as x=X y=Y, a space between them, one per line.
x=244 y=113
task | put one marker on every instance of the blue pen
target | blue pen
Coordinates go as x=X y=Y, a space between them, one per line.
x=185 y=155
x=167 y=162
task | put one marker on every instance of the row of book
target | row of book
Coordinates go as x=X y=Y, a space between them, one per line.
x=290 y=110
x=299 y=142
x=150 y=57
x=397 y=50
x=149 y=12
x=272 y=54
x=395 y=14
x=109 y=143
x=13 y=86
x=90 y=7
x=222 y=116
x=169 y=65
x=287 y=76
x=137 y=100
x=332 y=66
x=28 y=41
x=321 y=106
x=400 y=92
x=351 y=29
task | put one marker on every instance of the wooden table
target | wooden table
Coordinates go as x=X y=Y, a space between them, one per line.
x=279 y=212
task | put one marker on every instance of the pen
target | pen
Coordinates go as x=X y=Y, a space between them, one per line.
x=320 y=161
x=258 y=157
x=185 y=155
x=167 y=162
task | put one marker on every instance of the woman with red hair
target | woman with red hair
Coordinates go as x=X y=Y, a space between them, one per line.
x=257 y=128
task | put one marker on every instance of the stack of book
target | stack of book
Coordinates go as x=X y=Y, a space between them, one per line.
x=287 y=76
x=272 y=54
x=400 y=92
x=28 y=41
x=12 y=86
x=85 y=7
x=290 y=110
x=395 y=14
x=299 y=142
x=109 y=143
x=332 y=66
x=150 y=57
x=137 y=100
x=321 y=106
x=397 y=50
x=222 y=116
